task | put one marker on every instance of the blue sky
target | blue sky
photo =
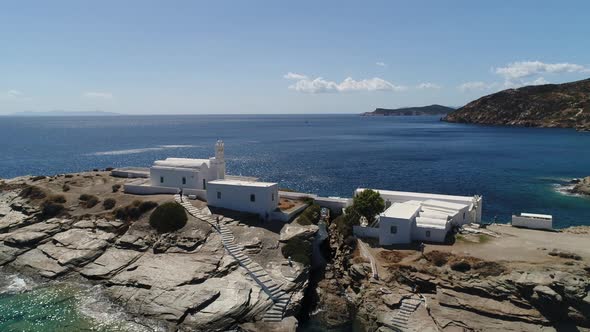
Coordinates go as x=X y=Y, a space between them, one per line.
x=176 y=57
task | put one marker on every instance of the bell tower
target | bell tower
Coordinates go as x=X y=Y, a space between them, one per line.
x=220 y=159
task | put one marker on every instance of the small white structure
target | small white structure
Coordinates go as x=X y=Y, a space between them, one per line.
x=187 y=172
x=420 y=217
x=247 y=196
x=533 y=220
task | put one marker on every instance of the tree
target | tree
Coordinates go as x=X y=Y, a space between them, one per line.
x=367 y=203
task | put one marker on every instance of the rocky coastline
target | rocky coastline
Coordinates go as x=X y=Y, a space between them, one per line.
x=185 y=280
x=581 y=186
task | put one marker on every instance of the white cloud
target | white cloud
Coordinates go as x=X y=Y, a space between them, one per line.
x=98 y=95
x=294 y=76
x=428 y=85
x=11 y=95
x=475 y=86
x=381 y=64
x=522 y=69
x=320 y=85
x=538 y=81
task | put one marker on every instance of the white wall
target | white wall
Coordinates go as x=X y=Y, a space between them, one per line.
x=237 y=197
x=436 y=234
x=534 y=223
x=173 y=177
x=404 y=230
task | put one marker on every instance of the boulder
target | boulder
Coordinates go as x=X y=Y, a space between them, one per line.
x=8 y=254
x=290 y=231
x=24 y=239
x=109 y=263
x=36 y=262
x=357 y=272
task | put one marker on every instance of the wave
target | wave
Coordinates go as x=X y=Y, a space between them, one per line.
x=565 y=189
x=13 y=284
x=140 y=150
x=94 y=304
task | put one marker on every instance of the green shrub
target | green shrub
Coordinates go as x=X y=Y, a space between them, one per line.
x=32 y=192
x=57 y=198
x=311 y=215
x=116 y=187
x=298 y=249
x=65 y=188
x=37 y=178
x=88 y=201
x=168 y=217
x=50 y=209
x=344 y=224
x=146 y=206
x=84 y=197
x=68 y=176
x=134 y=210
x=109 y=203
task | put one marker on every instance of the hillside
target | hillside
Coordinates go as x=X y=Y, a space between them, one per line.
x=424 y=110
x=564 y=105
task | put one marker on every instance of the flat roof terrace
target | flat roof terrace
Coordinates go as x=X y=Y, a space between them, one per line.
x=242 y=183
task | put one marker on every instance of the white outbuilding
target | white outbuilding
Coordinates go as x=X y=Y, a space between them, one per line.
x=261 y=198
x=421 y=217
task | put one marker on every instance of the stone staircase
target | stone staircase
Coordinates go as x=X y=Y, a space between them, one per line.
x=400 y=319
x=257 y=273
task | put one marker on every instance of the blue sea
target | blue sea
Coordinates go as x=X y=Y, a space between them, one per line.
x=515 y=169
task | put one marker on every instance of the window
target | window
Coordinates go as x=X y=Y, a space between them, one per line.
x=161 y=179
x=219 y=195
x=463 y=215
x=204 y=184
x=183 y=180
x=273 y=197
x=393 y=229
x=252 y=198
x=427 y=233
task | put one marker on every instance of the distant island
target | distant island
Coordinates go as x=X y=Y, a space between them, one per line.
x=564 y=105
x=423 y=110
x=63 y=113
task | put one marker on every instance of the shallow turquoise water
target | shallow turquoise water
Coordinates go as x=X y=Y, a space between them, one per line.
x=26 y=305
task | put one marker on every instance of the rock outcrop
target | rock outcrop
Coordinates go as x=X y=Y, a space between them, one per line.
x=185 y=279
x=551 y=105
x=582 y=186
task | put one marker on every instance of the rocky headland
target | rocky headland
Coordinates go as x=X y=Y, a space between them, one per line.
x=581 y=186
x=564 y=105
x=185 y=280
x=405 y=111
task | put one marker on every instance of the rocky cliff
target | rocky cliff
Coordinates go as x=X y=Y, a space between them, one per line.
x=581 y=186
x=423 y=110
x=185 y=280
x=551 y=105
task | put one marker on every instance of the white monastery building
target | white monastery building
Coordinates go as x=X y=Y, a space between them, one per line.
x=421 y=217
x=188 y=173
x=206 y=179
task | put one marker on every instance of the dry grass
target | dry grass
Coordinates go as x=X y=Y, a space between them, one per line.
x=393 y=256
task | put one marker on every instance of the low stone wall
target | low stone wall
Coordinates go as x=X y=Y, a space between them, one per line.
x=148 y=190
x=199 y=193
x=287 y=216
x=334 y=204
x=130 y=173
x=361 y=231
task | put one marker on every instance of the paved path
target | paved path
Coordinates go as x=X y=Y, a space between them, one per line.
x=367 y=254
x=279 y=297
